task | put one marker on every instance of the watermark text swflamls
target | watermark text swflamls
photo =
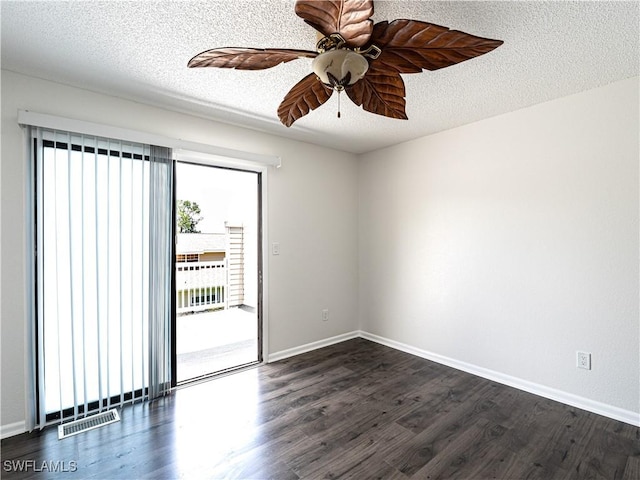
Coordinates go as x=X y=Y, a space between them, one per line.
x=57 y=466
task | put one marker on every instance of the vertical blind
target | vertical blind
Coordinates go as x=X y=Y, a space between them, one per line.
x=161 y=268
x=101 y=273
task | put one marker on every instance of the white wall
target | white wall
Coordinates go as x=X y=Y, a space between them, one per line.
x=509 y=244
x=312 y=213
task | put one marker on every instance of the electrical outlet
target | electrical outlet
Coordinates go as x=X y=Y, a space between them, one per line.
x=275 y=248
x=583 y=360
x=325 y=315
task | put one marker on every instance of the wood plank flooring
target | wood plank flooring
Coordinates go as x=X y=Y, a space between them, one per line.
x=354 y=410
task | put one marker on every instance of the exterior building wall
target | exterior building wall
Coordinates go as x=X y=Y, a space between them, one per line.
x=211 y=257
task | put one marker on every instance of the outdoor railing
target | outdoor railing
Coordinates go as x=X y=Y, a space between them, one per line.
x=200 y=286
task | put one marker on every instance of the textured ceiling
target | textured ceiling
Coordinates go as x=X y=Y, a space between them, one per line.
x=139 y=50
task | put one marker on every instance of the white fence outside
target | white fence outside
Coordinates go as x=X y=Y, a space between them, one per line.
x=200 y=286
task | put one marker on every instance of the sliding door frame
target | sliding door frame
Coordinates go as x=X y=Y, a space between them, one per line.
x=173 y=329
x=206 y=160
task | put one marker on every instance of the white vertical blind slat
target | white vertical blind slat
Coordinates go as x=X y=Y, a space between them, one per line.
x=107 y=325
x=39 y=417
x=131 y=278
x=54 y=239
x=98 y=251
x=144 y=192
x=121 y=273
x=83 y=283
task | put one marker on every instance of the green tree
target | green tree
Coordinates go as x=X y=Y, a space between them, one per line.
x=188 y=216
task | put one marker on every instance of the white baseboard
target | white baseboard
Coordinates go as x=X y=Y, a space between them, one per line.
x=610 y=411
x=290 y=352
x=12 y=429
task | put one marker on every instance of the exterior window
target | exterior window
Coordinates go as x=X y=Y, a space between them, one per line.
x=189 y=257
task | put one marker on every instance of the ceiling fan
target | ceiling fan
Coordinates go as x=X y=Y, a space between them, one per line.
x=355 y=56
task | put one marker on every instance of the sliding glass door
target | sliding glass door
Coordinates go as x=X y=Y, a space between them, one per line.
x=93 y=262
x=102 y=273
x=217 y=231
x=115 y=319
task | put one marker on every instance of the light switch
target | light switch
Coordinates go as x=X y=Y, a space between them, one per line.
x=275 y=248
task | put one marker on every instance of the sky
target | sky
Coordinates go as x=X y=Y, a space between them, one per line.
x=222 y=194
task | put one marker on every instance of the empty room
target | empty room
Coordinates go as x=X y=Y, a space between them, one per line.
x=315 y=239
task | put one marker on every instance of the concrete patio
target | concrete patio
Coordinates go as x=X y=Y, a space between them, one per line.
x=215 y=340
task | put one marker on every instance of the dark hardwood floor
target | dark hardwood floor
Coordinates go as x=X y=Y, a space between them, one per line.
x=353 y=410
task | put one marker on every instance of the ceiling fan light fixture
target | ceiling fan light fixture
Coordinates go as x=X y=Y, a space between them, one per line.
x=355 y=55
x=340 y=68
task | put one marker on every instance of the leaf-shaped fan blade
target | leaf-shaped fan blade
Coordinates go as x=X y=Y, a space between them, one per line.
x=247 y=58
x=306 y=95
x=381 y=92
x=408 y=46
x=350 y=18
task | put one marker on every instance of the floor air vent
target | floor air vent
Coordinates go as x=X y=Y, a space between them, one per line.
x=89 y=423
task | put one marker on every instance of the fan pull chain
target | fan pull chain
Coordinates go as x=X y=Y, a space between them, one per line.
x=338 y=103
